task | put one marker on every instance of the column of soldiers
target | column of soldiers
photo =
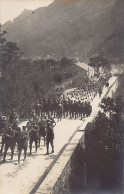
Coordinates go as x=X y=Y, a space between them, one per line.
x=71 y=104
x=32 y=132
x=74 y=104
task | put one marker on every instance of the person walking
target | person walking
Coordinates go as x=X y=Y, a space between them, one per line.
x=34 y=135
x=9 y=142
x=49 y=137
x=22 y=143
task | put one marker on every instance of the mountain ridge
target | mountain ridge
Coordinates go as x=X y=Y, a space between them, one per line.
x=66 y=29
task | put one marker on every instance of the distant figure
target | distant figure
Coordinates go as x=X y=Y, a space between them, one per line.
x=34 y=136
x=59 y=112
x=42 y=129
x=51 y=119
x=49 y=137
x=9 y=142
x=107 y=84
x=22 y=143
x=3 y=139
x=12 y=117
x=100 y=92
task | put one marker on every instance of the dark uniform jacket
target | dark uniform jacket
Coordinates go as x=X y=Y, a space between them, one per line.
x=23 y=139
x=9 y=136
x=50 y=132
x=34 y=132
x=42 y=127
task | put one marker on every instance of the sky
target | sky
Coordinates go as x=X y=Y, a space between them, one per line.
x=12 y=8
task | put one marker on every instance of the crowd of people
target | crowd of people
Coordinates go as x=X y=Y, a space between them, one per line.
x=74 y=104
x=35 y=129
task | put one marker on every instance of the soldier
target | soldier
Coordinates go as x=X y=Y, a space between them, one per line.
x=50 y=118
x=34 y=135
x=38 y=109
x=12 y=117
x=59 y=112
x=3 y=139
x=17 y=134
x=22 y=143
x=29 y=124
x=49 y=137
x=42 y=128
x=9 y=142
x=100 y=92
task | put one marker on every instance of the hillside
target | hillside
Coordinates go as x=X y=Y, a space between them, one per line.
x=113 y=47
x=66 y=29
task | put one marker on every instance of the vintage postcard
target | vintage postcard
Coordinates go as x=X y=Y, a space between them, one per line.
x=61 y=96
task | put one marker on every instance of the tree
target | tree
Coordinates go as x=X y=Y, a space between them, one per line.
x=58 y=78
x=108 y=105
x=104 y=143
x=9 y=83
x=9 y=52
x=64 y=62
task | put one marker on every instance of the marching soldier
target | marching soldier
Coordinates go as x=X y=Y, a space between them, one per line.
x=100 y=92
x=9 y=142
x=50 y=118
x=3 y=139
x=49 y=137
x=42 y=128
x=59 y=112
x=22 y=143
x=34 y=135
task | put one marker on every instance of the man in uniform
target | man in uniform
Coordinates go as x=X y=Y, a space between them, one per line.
x=42 y=128
x=34 y=135
x=59 y=112
x=50 y=118
x=49 y=137
x=9 y=142
x=22 y=143
x=3 y=139
x=100 y=92
x=12 y=117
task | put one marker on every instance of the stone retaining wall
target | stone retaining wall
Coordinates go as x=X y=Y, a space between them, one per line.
x=64 y=173
x=62 y=178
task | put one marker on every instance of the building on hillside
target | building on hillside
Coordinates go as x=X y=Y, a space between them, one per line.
x=89 y=70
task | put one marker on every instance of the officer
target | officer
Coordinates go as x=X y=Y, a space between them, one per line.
x=9 y=142
x=22 y=143
x=34 y=135
x=49 y=137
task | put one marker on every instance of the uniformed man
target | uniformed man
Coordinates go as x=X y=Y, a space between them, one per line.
x=100 y=92
x=59 y=112
x=9 y=142
x=22 y=143
x=49 y=137
x=3 y=139
x=34 y=135
x=12 y=117
x=51 y=119
x=42 y=128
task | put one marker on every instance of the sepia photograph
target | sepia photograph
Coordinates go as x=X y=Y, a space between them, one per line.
x=61 y=96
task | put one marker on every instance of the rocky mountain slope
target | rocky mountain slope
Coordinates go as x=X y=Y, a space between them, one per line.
x=66 y=29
